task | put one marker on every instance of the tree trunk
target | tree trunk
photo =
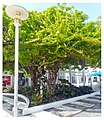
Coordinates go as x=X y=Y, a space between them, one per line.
x=49 y=86
x=33 y=70
x=54 y=85
x=33 y=78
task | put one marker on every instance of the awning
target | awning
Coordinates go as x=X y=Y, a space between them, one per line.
x=96 y=74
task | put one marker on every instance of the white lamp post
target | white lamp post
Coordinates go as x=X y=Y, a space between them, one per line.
x=18 y=13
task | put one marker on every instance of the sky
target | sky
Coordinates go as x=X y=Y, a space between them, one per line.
x=93 y=10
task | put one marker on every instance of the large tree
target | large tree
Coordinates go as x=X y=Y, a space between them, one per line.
x=58 y=35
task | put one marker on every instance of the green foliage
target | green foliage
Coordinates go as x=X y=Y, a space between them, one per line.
x=73 y=93
x=8 y=90
x=62 y=91
x=36 y=99
x=57 y=36
x=64 y=81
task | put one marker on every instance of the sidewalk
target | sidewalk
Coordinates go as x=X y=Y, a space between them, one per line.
x=87 y=107
x=5 y=114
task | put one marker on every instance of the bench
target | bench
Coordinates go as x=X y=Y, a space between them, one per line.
x=21 y=104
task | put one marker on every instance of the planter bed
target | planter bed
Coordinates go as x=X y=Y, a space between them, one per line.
x=39 y=108
x=63 y=94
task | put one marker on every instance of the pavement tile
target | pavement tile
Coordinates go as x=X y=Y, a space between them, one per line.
x=89 y=101
x=96 y=98
x=80 y=104
x=65 y=111
x=87 y=114
x=95 y=109
x=92 y=100
x=68 y=113
x=46 y=115
x=98 y=95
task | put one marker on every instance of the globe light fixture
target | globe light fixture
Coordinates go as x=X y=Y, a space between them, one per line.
x=17 y=13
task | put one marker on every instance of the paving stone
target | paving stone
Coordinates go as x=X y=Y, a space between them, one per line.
x=64 y=111
x=68 y=113
x=87 y=114
x=95 y=109
x=63 y=108
x=92 y=100
x=80 y=104
x=96 y=98
x=98 y=95
x=45 y=114
x=89 y=101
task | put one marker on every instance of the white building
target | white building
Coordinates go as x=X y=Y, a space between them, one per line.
x=79 y=78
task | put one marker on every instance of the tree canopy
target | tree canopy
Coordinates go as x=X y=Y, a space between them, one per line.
x=58 y=35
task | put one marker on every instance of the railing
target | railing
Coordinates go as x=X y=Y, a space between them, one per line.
x=21 y=104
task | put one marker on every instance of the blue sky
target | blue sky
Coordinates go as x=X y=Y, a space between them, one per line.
x=92 y=9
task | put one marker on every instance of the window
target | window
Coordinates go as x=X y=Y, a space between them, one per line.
x=74 y=80
x=95 y=79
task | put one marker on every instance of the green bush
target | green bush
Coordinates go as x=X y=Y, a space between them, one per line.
x=36 y=99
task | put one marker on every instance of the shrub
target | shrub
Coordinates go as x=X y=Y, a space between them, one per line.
x=36 y=99
x=62 y=91
x=85 y=90
x=8 y=90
